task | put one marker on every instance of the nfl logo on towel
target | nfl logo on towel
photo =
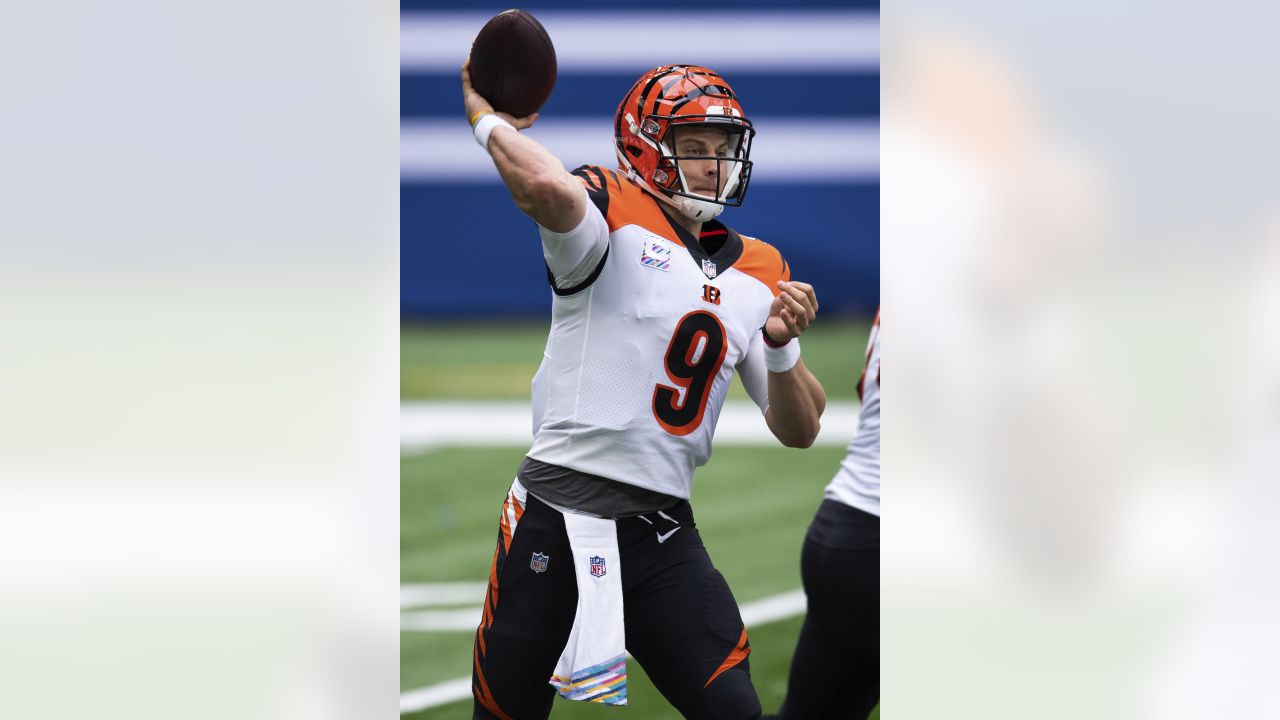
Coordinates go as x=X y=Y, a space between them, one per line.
x=597 y=566
x=538 y=563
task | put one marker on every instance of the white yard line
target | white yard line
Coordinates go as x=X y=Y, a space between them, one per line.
x=436 y=620
x=435 y=695
x=429 y=594
x=759 y=612
x=426 y=425
x=773 y=608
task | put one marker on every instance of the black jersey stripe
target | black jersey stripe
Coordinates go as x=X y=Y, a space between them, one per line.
x=597 y=189
x=565 y=292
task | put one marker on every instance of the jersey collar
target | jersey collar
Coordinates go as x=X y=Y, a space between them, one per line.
x=718 y=261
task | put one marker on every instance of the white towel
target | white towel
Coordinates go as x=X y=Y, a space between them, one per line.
x=593 y=666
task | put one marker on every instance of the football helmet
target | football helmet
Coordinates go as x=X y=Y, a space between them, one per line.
x=675 y=96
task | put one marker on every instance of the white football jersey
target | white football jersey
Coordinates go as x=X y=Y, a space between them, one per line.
x=857 y=483
x=646 y=332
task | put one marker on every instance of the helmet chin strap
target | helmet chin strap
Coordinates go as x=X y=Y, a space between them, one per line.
x=697 y=210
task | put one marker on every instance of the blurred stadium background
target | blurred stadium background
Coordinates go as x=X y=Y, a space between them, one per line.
x=472 y=334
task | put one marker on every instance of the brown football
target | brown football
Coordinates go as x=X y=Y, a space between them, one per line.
x=513 y=63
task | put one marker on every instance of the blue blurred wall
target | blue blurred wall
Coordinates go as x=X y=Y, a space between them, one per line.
x=467 y=252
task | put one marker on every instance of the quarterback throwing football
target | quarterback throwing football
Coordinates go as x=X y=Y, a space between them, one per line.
x=656 y=305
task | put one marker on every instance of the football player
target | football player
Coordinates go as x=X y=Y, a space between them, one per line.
x=656 y=305
x=835 y=672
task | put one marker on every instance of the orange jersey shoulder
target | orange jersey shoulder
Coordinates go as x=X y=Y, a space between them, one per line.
x=621 y=202
x=763 y=262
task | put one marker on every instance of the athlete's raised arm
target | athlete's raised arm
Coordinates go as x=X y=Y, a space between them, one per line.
x=539 y=183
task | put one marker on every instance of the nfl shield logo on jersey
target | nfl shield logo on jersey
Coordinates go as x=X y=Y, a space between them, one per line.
x=708 y=268
x=597 y=566
x=538 y=563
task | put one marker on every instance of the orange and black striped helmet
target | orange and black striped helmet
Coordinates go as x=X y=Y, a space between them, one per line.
x=680 y=95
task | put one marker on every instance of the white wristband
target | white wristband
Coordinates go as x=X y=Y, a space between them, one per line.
x=782 y=359
x=484 y=127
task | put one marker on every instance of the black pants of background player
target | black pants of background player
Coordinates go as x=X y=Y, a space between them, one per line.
x=682 y=623
x=835 y=672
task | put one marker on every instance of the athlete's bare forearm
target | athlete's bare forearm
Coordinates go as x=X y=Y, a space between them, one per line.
x=538 y=181
x=796 y=403
x=796 y=398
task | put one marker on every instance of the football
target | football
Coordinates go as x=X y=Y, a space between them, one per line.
x=513 y=63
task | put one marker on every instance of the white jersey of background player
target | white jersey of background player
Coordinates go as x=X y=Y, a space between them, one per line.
x=857 y=483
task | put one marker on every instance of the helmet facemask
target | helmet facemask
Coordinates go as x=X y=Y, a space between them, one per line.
x=681 y=168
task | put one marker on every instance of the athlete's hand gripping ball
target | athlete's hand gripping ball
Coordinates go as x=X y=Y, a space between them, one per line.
x=792 y=312
x=477 y=106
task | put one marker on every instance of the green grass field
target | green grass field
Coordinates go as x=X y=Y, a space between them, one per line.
x=752 y=505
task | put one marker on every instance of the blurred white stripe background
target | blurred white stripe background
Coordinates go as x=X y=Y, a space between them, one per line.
x=602 y=40
x=198 y=371
x=818 y=149
x=1079 y=229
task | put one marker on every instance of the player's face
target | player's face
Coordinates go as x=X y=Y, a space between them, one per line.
x=705 y=177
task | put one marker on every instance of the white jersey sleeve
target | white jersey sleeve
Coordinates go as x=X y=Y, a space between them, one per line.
x=754 y=373
x=857 y=482
x=572 y=256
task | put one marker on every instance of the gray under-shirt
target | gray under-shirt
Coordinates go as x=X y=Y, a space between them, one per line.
x=589 y=493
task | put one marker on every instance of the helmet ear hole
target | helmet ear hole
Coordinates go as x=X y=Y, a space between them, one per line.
x=633 y=151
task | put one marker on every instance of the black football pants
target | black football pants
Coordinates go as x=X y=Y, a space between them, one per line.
x=835 y=673
x=682 y=623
